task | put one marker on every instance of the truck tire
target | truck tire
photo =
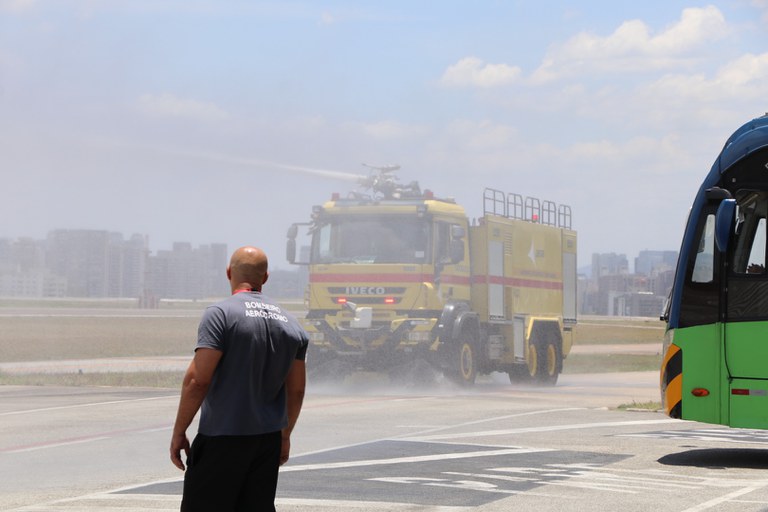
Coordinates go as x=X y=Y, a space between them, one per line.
x=533 y=361
x=324 y=367
x=545 y=356
x=519 y=374
x=463 y=367
x=550 y=363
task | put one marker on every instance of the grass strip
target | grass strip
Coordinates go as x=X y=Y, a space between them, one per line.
x=171 y=380
x=608 y=363
x=641 y=406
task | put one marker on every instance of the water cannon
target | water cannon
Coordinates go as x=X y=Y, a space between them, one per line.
x=384 y=184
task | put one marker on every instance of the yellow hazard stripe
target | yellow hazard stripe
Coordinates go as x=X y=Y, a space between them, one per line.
x=672 y=381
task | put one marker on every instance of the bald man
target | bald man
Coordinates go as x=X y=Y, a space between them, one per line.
x=248 y=375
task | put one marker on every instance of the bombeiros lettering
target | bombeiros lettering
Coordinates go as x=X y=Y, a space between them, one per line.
x=262 y=310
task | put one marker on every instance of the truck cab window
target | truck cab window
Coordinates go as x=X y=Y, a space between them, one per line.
x=375 y=239
x=442 y=242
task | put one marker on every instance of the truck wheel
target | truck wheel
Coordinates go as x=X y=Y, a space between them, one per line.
x=550 y=364
x=519 y=374
x=467 y=363
x=323 y=367
x=464 y=365
x=533 y=360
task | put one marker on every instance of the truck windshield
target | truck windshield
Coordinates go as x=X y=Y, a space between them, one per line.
x=391 y=239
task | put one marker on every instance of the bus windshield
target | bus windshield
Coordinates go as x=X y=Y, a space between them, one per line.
x=381 y=239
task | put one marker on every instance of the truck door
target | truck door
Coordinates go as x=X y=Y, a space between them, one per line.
x=451 y=265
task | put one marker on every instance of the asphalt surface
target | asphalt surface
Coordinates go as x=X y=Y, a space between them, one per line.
x=179 y=363
x=366 y=445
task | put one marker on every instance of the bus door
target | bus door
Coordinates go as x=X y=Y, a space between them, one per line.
x=698 y=333
x=746 y=318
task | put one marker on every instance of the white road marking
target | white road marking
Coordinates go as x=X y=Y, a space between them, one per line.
x=87 y=439
x=89 y=404
x=625 y=326
x=410 y=460
x=495 y=418
x=716 y=435
x=410 y=436
x=545 y=428
x=407 y=460
x=725 y=498
x=54 y=445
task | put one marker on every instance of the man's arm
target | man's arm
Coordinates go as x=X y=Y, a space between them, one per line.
x=193 y=391
x=295 y=384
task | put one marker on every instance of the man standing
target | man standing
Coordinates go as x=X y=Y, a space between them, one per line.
x=248 y=374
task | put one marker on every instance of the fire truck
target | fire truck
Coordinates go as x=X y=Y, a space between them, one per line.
x=397 y=274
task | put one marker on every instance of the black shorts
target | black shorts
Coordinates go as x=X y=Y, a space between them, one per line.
x=232 y=473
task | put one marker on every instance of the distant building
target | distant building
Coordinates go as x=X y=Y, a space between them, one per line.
x=636 y=304
x=23 y=272
x=82 y=258
x=185 y=272
x=96 y=263
x=613 y=291
x=609 y=264
x=101 y=264
x=287 y=284
x=134 y=266
x=661 y=282
x=648 y=262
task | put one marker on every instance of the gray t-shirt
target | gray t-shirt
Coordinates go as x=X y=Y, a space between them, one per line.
x=259 y=342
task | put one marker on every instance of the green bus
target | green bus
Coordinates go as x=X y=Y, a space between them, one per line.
x=715 y=363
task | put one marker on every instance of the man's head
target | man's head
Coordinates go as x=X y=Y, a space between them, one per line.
x=247 y=268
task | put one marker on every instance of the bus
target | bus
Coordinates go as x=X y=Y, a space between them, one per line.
x=715 y=359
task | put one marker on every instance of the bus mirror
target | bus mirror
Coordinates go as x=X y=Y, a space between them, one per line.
x=293 y=231
x=726 y=213
x=718 y=194
x=457 y=232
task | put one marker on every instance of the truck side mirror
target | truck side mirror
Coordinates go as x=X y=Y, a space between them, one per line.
x=457 y=231
x=290 y=251
x=290 y=246
x=724 y=218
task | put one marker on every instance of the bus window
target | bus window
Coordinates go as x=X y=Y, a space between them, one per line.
x=749 y=251
x=756 y=264
x=703 y=269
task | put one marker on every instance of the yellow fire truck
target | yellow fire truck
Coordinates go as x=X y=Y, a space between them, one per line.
x=398 y=274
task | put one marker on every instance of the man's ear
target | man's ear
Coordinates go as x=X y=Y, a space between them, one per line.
x=266 y=276
x=229 y=273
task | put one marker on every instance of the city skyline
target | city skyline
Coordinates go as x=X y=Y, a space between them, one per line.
x=588 y=264
x=100 y=264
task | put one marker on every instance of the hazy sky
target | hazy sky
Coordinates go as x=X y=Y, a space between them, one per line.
x=142 y=116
